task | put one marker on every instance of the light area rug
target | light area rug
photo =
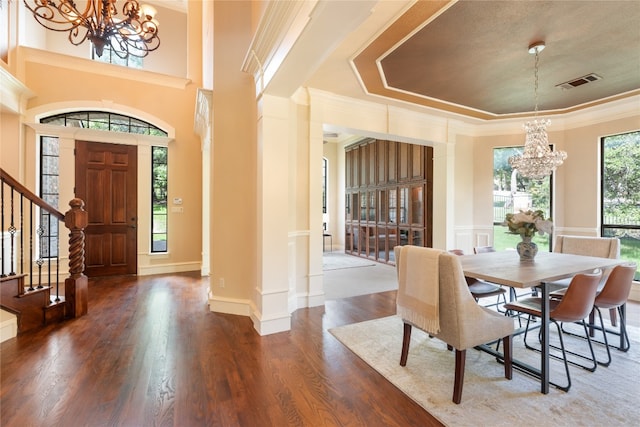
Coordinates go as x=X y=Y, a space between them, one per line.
x=609 y=396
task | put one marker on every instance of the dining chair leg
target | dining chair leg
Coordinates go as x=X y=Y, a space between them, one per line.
x=593 y=355
x=625 y=344
x=526 y=332
x=508 y=348
x=592 y=327
x=592 y=320
x=612 y=316
x=459 y=375
x=604 y=334
x=564 y=358
x=406 y=340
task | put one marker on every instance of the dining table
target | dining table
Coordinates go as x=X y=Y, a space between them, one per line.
x=506 y=268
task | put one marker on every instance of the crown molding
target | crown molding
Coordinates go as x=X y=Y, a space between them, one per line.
x=13 y=93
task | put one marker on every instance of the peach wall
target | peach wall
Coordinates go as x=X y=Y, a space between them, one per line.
x=233 y=186
x=173 y=105
x=10 y=148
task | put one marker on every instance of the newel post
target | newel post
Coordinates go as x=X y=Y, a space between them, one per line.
x=75 y=287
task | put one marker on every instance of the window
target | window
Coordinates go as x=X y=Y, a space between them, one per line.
x=49 y=192
x=324 y=185
x=512 y=193
x=159 y=199
x=110 y=57
x=101 y=120
x=620 y=193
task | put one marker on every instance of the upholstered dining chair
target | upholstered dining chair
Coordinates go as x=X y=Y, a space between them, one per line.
x=575 y=306
x=434 y=297
x=613 y=296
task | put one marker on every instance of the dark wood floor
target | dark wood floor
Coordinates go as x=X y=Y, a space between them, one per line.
x=150 y=353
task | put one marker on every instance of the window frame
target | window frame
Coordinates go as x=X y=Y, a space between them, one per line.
x=48 y=228
x=110 y=57
x=104 y=120
x=498 y=223
x=163 y=231
x=606 y=228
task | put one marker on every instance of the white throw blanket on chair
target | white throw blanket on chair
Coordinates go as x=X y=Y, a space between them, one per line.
x=418 y=287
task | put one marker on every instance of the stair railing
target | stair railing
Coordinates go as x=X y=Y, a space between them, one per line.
x=17 y=222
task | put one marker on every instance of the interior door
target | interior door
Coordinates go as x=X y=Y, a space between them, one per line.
x=106 y=179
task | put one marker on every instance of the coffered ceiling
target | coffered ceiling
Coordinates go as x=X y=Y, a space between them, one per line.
x=471 y=58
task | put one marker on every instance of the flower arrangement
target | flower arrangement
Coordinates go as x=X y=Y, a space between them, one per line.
x=528 y=223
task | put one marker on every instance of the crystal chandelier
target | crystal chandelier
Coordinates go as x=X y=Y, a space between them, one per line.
x=537 y=161
x=135 y=33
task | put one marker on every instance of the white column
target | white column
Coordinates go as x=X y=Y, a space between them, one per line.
x=315 y=294
x=270 y=312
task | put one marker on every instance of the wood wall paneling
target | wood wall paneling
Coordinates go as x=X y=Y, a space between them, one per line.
x=388 y=198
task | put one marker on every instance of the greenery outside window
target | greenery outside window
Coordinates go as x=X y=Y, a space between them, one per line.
x=49 y=192
x=159 y=199
x=620 y=193
x=512 y=193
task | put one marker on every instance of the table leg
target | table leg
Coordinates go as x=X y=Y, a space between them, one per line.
x=544 y=354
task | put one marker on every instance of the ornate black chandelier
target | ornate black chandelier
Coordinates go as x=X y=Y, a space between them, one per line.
x=134 y=33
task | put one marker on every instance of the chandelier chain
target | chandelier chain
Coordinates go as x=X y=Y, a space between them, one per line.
x=535 y=85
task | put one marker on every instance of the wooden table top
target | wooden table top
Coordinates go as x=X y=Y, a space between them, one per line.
x=505 y=267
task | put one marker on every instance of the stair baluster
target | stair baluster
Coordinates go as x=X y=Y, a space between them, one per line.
x=34 y=306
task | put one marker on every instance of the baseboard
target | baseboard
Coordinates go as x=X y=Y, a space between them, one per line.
x=271 y=326
x=180 y=267
x=243 y=308
x=228 y=305
x=8 y=325
x=307 y=301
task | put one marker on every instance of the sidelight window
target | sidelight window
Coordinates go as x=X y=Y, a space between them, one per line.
x=159 y=170
x=49 y=192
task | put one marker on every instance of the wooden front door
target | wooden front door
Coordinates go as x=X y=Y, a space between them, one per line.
x=106 y=179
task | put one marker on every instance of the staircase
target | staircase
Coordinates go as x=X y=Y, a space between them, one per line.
x=29 y=263
x=32 y=307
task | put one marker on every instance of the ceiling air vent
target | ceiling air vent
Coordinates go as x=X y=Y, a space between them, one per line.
x=579 y=81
